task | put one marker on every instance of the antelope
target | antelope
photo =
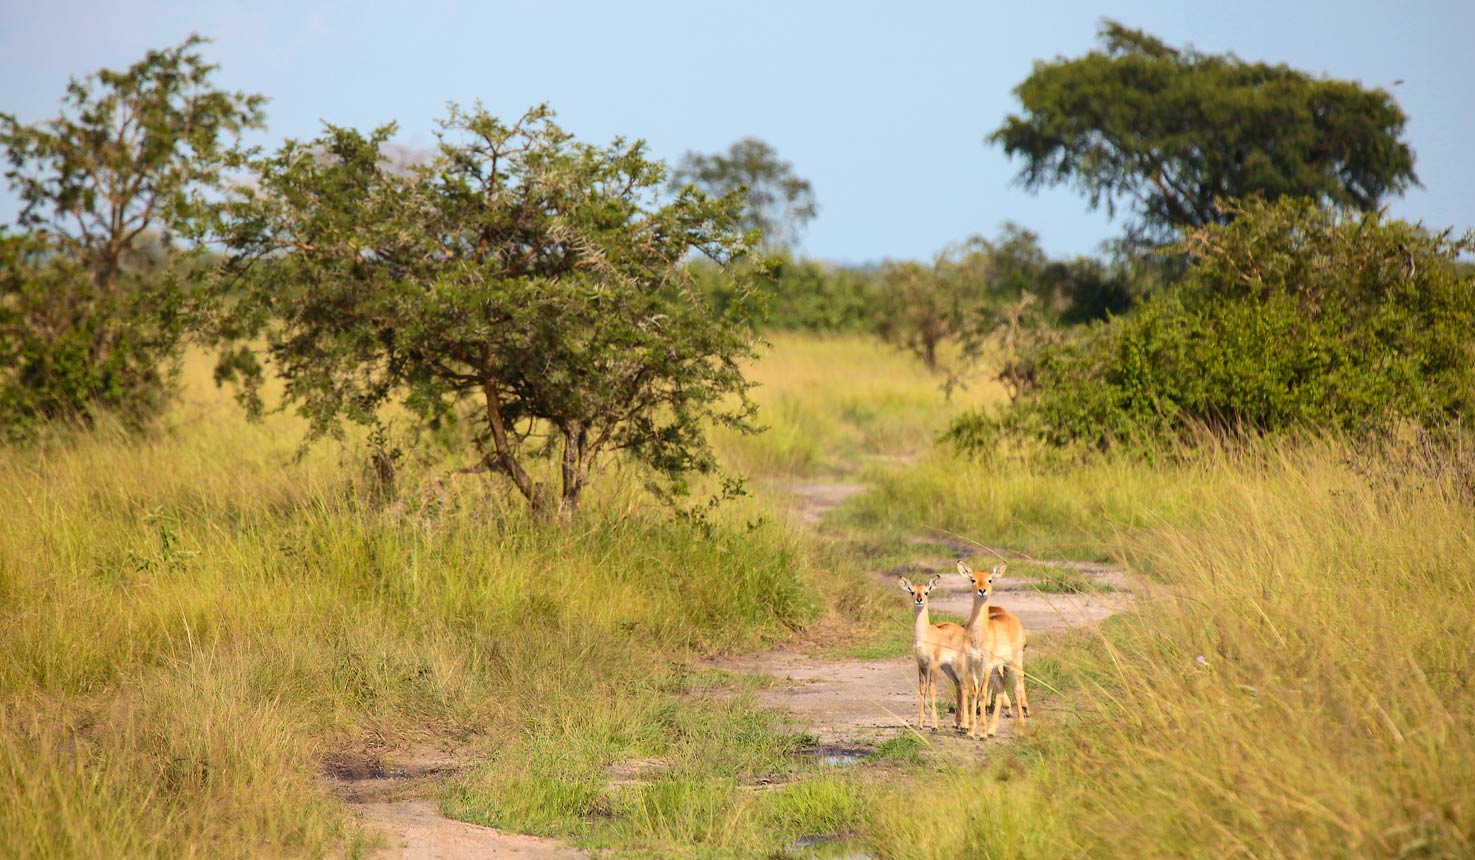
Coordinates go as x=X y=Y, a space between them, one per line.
x=995 y=645
x=937 y=647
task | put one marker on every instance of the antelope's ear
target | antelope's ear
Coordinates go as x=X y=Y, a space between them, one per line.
x=906 y=584
x=998 y=570
x=964 y=569
x=933 y=581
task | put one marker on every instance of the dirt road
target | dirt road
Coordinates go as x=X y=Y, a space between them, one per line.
x=846 y=702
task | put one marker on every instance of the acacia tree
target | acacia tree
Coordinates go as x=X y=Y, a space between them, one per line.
x=780 y=203
x=1168 y=131
x=519 y=280
x=89 y=314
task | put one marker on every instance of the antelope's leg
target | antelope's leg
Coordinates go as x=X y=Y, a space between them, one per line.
x=932 y=694
x=921 y=697
x=994 y=667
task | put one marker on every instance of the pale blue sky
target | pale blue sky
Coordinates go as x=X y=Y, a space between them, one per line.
x=883 y=106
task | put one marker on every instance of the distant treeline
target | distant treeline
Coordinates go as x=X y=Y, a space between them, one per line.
x=935 y=301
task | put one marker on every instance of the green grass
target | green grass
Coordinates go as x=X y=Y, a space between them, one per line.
x=818 y=806
x=1058 y=580
x=1046 y=510
x=890 y=637
x=998 y=814
x=903 y=749
x=550 y=777
x=703 y=797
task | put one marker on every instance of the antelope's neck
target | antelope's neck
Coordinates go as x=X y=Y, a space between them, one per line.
x=979 y=616
x=922 y=624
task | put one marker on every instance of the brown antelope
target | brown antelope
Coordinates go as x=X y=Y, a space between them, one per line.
x=938 y=648
x=995 y=655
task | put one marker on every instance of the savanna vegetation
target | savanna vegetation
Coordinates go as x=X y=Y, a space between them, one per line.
x=501 y=488
x=1289 y=319
x=519 y=294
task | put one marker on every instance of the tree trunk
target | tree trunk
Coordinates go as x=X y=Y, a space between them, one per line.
x=106 y=278
x=502 y=458
x=568 y=506
x=575 y=469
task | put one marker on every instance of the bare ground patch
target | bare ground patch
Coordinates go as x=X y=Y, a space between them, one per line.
x=390 y=792
x=415 y=830
x=812 y=500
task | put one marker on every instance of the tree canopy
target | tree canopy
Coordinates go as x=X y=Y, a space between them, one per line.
x=1165 y=132
x=519 y=283
x=1291 y=317
x=780 y=203
x=89 y=317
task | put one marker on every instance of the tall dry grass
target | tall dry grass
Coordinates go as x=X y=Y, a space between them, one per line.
x=1294 y=684
x=192 y=621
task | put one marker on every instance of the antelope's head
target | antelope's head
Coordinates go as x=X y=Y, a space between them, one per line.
x=983 y=586
x=918 y=592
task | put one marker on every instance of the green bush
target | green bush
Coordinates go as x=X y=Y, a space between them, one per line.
x=1291 y=317
x=802 y=295
x=69 y=351
x=818 y=297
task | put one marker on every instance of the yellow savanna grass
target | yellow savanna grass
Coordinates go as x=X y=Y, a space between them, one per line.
x=191 y=620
